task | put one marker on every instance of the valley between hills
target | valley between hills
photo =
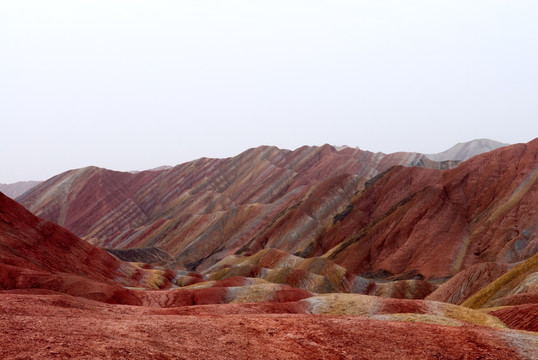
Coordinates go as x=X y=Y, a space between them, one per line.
x=315 y=253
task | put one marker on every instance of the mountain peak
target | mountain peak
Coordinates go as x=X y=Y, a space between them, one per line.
x=466 y=150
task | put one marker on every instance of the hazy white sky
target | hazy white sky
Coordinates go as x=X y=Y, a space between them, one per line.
x=137 y=84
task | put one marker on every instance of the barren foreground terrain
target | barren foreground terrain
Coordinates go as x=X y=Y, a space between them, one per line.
x=62 y=327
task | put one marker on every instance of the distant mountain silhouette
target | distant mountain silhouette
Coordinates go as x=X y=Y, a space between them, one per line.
x=466 y=150
x=17 y=189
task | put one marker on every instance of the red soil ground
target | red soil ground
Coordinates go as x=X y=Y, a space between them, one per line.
x=61 y=326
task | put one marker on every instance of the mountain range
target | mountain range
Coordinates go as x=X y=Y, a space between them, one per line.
x=367 y=212
x=368 y=243
x=459 y=152
x=202 y=211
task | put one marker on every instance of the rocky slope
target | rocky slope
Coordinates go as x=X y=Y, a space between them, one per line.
x=361 y=210
x=415 y=222
x=38 y=254
x=202 y=211
x=35 y=244
x=515 y=287
x=512 y=297
x=467 y=282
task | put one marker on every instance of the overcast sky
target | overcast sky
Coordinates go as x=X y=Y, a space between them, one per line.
x=136 y=84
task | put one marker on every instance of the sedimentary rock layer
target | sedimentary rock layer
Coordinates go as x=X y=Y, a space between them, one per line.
x=201 y=211
x=404 y=223
x=467 y=282
x=413 y=221
x=28 y=242
x=515 y=287
x=315 y=274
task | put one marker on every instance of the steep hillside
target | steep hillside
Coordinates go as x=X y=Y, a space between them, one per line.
x=38 y=254
x=37 y=245
x=202 y=211
x=466 y=150
x=364 y=211
x=427 y=223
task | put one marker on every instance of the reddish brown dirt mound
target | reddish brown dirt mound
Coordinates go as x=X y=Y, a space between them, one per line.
x=315 y=274
x=516 y=287
x=219 y=295
x=467 y=282
x=521 y=317
x=422 y=222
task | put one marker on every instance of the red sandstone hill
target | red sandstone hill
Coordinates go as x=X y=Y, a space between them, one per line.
x=201 y=211
x=406 y=222
x=38 y=254
x=29 y=242
x=430 y=223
